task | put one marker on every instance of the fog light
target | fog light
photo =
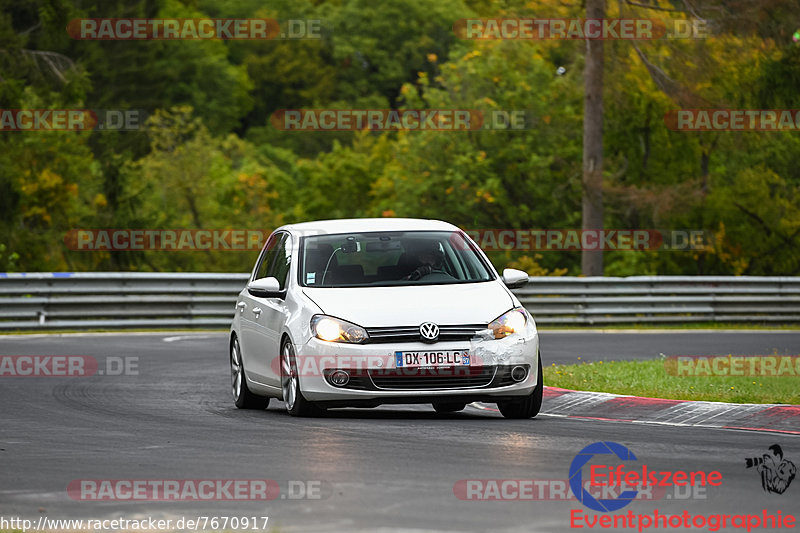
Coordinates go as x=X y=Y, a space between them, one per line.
x=518 y=373
x=340 y=378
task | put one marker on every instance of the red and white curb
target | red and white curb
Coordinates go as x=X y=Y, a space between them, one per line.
x=566 y=403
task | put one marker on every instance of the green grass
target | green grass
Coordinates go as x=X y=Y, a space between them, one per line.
x=650 y=379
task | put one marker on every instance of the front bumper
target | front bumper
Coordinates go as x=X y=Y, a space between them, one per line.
x=374 y=378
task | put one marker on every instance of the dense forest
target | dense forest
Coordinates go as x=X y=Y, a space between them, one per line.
x=208 y=155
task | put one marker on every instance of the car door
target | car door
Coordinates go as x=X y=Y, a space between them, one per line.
x=267 y=316
x=251 y=310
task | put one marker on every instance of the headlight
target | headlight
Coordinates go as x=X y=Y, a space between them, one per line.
x=508 y=323
x=328 y=328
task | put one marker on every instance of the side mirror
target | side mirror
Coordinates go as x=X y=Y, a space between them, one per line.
x=514 y=278
x=265 y=288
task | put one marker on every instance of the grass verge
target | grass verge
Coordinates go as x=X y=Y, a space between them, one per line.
x=650 y=379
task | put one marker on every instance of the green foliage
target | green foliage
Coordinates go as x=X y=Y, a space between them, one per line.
x=210 y=158
x=379 y=46
x=8 y=262
x=532 y=266
x=759 y=222
x=191 y=180
x=158 y=74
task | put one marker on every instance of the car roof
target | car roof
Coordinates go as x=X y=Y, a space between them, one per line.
x=358 y=225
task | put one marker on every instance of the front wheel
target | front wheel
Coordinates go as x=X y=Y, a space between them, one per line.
x=527 y=407
x=242 y=397
x=296 y=404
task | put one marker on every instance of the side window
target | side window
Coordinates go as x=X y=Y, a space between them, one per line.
x=268 y=256
x=283 y=260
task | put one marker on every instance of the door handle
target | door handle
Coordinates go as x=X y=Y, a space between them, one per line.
x=257 y=311
x=241 y=306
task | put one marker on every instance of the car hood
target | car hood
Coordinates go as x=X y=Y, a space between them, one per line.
x=471 y=303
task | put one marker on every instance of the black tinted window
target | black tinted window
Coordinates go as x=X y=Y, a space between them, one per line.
x=390 y=258
x=283 y=257
x=268 y=257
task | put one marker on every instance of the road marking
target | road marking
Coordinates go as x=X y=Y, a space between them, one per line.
x=184 y=337
x=477 y=405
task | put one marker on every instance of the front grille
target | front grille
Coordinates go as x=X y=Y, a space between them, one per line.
x=462 y=332
x=424 y=379
x=435 y=378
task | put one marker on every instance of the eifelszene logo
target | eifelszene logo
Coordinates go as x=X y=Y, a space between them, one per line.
x=623 y=478
x=576 y=477
x=776 y=472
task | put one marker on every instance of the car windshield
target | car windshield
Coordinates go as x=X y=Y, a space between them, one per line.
x=390 y=259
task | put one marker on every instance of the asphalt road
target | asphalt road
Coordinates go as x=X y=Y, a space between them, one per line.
x=391 y=468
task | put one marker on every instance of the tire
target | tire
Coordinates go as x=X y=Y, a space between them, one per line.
x=529 y=406
x=242 y=397
x=448 y=407
x=296 y=403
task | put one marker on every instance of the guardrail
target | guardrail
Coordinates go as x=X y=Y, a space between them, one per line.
x=115 y=300
x=661 y=299
x=99 y=300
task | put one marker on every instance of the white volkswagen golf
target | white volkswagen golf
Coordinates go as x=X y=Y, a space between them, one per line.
x=364 y=312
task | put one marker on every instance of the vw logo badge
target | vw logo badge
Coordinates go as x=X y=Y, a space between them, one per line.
x=429 y=331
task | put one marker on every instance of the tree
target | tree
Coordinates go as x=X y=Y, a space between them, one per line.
x=592 y=203
x=194 y=180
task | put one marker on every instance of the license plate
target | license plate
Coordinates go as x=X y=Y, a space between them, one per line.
x=431 y=359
